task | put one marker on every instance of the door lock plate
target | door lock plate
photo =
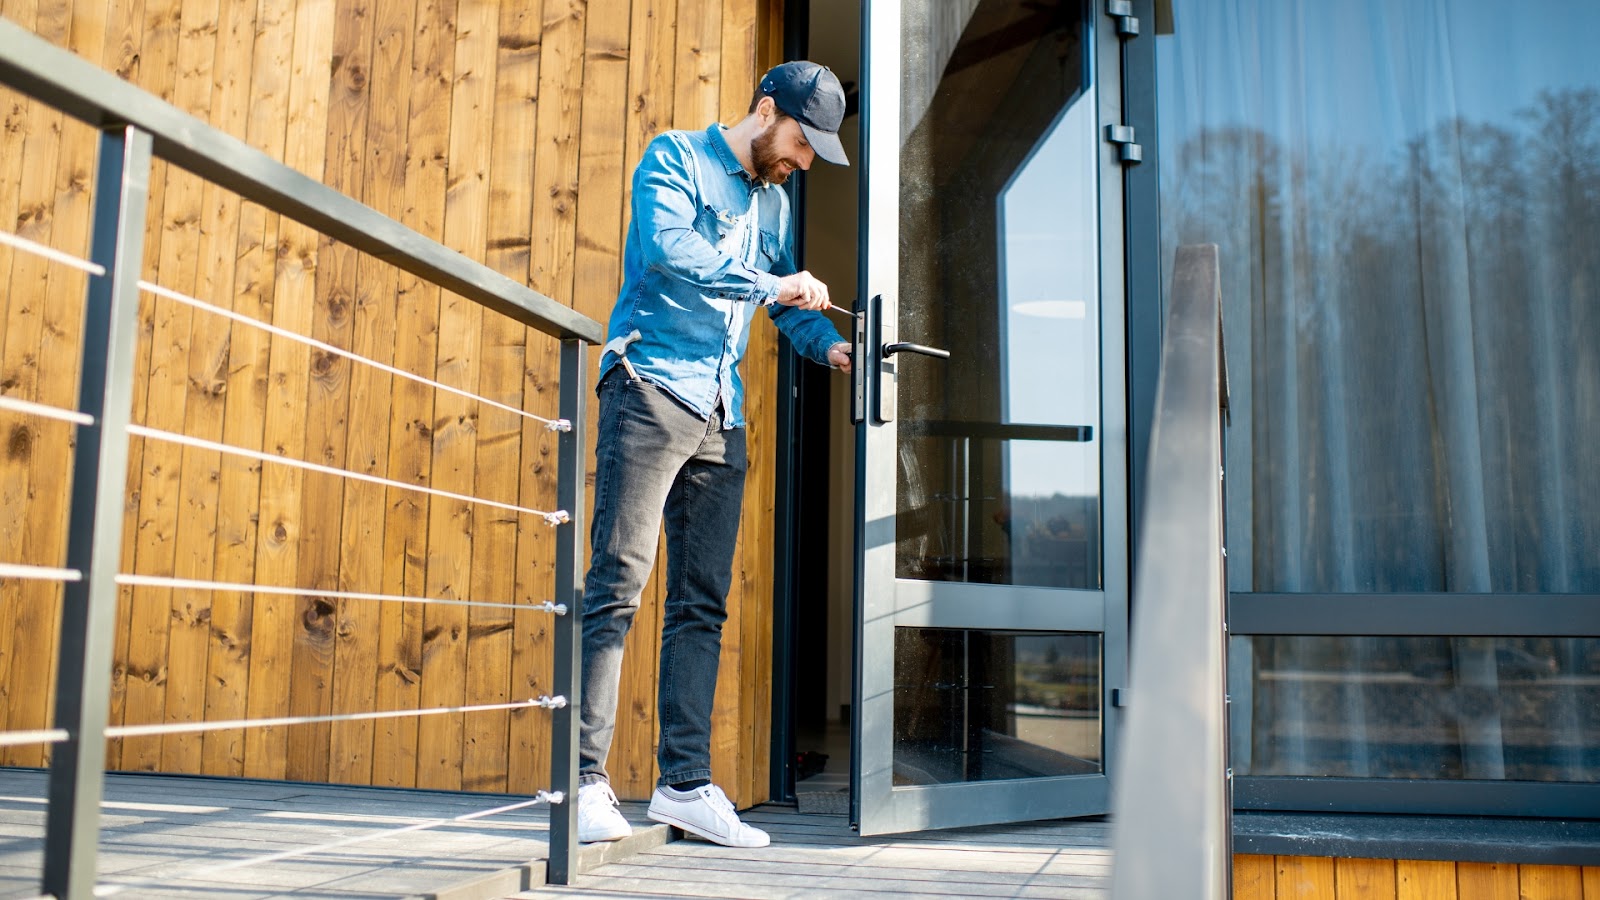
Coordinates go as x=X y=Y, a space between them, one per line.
x=884 y=332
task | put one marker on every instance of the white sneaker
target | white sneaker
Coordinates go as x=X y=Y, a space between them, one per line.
x=598 y=816
x=705 y=811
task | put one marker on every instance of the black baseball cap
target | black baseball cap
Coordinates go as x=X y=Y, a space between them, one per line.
x=812 y=95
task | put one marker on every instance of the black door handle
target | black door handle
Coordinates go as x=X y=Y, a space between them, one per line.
x=898 y=346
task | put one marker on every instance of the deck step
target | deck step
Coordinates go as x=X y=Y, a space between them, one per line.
x=647 y=835
x=821 y=795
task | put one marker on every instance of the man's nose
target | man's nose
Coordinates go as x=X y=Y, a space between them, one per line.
x=806 y=156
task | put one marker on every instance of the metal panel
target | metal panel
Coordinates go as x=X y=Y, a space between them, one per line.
x=1540 y=842
x=1143 y=236
x=938 y=604
x=1428 y=615
x=990 y=431
x=94 y=535
x=1117 y=539
x=974 y=803
x=32 y=65
x=1172 y=837
x=872 y=737
x=796 y=35
x=570 y=463
x=785 y=531
x=1553 y=800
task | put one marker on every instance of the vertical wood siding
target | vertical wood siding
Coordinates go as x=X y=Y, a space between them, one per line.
x=506 y=131
x=1319 y=878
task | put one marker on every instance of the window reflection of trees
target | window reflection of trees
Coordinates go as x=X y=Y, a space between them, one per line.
x=1414 y=335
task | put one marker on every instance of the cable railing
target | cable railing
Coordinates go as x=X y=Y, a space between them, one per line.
x=1172 y=802
x=135 y=129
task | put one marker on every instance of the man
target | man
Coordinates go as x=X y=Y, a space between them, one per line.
x=709 y=241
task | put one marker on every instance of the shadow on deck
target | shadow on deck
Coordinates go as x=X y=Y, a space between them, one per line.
x=231 y=839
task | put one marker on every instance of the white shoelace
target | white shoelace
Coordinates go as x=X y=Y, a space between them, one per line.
x=720 y=802
x=604 y=790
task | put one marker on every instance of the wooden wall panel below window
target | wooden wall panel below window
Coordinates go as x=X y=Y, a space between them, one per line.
x=506 y=131
x=1320 y=878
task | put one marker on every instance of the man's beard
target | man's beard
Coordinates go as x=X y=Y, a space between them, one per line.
x=766 y=159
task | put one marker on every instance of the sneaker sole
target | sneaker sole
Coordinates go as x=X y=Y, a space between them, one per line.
x=604 y=836
x=694 y=829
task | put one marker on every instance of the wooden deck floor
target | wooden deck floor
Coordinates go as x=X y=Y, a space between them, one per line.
x=227 y=839
x=819 y=856
x=169 y=837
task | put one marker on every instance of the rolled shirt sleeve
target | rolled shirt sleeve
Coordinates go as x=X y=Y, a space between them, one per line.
x=808 y=330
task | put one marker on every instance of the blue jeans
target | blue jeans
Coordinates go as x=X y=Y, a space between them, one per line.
x=653 y=456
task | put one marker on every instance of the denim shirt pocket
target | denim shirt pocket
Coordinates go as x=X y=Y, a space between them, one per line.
x=771 y=250
x=721 y=228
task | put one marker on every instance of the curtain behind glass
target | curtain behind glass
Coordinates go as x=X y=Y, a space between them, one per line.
x=1407 y=201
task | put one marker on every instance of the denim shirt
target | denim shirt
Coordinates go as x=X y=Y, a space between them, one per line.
x=706 y=245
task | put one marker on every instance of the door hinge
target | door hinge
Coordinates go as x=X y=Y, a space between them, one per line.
x=1119 y=697
x=1128 y=149
x=1122 y=11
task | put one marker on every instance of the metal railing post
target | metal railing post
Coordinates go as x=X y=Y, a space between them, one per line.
x=562 y=867
x=94 y=536
x=1171 y=801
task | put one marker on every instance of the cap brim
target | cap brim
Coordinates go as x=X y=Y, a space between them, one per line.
x=827 y=145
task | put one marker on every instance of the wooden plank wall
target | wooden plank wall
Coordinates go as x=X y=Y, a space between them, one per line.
x=508 y=132
x=1321 y=878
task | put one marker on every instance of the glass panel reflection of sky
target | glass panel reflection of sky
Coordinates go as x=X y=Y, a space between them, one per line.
x=998 y=264
x=1050 y=307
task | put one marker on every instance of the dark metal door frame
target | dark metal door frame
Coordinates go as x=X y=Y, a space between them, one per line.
x=878 y=806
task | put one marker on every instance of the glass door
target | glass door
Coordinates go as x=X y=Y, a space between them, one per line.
x=992 y=558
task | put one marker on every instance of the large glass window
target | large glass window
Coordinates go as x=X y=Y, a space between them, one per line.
x=1516 y=709
x=1406 y=198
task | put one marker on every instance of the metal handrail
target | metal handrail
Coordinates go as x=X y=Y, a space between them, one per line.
x=1172 y=791
x=135 y=128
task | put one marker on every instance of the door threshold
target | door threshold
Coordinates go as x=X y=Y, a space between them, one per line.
x=826 y=794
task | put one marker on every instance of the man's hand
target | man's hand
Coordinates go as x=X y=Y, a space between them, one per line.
x=839 y=356
x=803 y=290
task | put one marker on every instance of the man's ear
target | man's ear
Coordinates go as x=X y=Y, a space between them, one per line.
x=766 y=108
